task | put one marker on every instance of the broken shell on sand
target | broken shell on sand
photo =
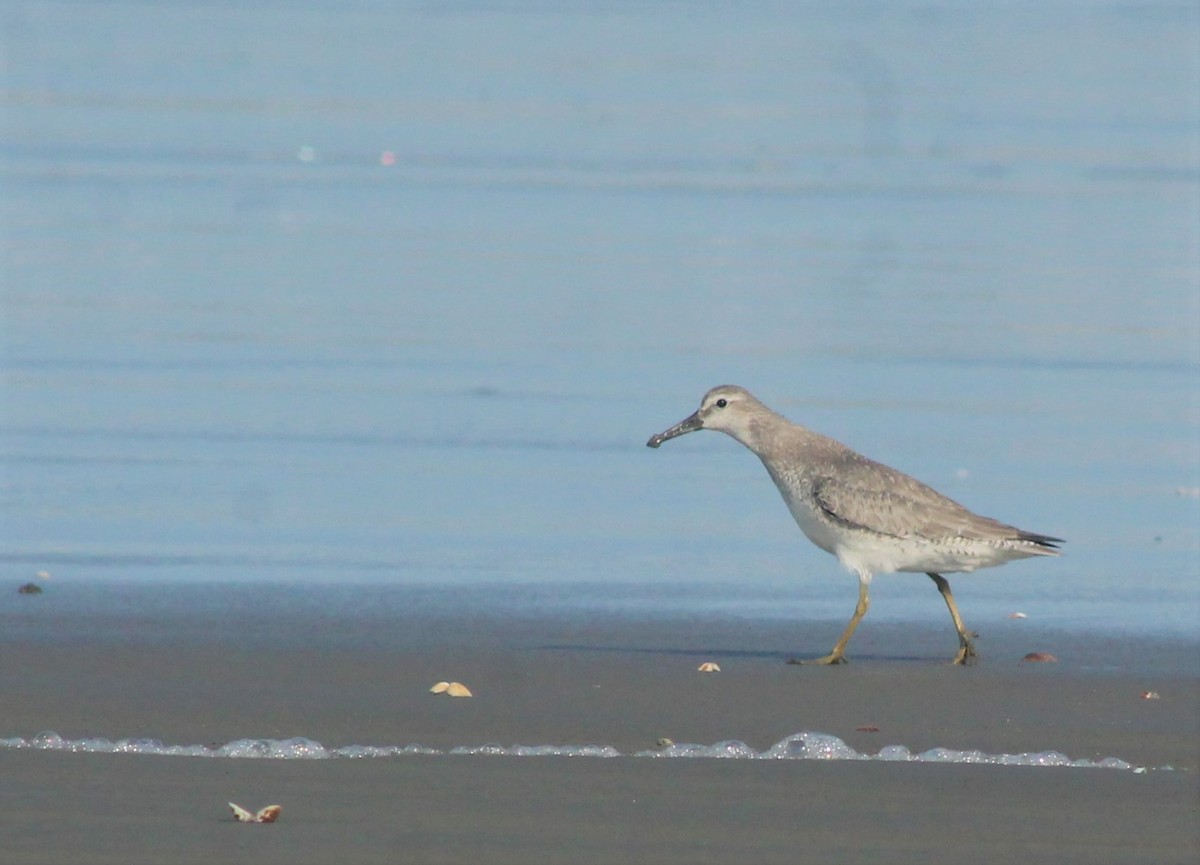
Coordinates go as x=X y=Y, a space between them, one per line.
x=454 y=689
x=266 y=815
x=709 y=667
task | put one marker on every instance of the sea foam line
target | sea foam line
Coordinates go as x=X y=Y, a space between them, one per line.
x=798 y=746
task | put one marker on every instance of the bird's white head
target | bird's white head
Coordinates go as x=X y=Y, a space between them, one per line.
x=727 y=408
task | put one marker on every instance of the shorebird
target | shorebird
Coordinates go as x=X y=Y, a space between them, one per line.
x=875 y=519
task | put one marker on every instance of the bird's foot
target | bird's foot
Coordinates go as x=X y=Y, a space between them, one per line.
x=966 y=653
x=820 y=662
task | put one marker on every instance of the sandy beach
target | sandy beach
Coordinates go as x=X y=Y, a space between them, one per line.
x=570 y=678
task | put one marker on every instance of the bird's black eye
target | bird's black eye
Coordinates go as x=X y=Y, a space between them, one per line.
x=722 y=402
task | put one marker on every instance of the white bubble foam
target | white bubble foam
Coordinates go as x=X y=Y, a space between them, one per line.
x=493 y=750
x=799 y=746
x=364 y=751
x=812 y=746
x=297 y=748
x=730 y=749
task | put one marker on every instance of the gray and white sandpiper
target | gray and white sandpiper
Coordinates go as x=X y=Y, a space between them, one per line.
x=875 y=519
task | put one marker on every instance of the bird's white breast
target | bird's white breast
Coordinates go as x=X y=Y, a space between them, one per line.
x=866 y=552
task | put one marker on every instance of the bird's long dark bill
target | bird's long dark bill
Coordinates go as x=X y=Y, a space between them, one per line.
x=687 y=425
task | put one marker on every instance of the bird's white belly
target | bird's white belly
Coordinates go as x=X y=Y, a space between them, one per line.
x=880 y=554
x=867 y=553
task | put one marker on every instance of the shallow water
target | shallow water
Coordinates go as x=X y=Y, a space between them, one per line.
x=391 y=293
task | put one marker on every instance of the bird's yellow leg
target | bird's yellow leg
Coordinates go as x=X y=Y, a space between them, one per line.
x=966 y=649
x=838 y=655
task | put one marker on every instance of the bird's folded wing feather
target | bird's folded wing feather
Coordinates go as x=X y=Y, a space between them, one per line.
x=897 y=505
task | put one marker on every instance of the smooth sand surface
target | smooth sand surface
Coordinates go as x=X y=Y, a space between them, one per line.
x=135 y=670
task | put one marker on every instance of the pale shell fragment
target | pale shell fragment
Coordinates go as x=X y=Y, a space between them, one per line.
x=1150 y=695
x=1018 y=616
x=453 y=689
x=709 y=667
x=268 y=814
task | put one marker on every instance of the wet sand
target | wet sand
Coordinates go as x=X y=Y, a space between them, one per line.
x=137 y=670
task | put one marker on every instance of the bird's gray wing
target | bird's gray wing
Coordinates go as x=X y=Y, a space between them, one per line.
x=892 y=503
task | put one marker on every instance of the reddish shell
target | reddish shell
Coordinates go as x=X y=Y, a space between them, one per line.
x=269 y=814
x=1039 y=656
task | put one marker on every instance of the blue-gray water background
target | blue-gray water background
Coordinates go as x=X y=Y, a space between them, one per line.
x=312 y=292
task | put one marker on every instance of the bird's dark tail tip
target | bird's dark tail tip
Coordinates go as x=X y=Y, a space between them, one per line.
x=1046 y=543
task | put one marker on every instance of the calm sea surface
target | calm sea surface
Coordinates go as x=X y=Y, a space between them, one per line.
x=312 y=292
